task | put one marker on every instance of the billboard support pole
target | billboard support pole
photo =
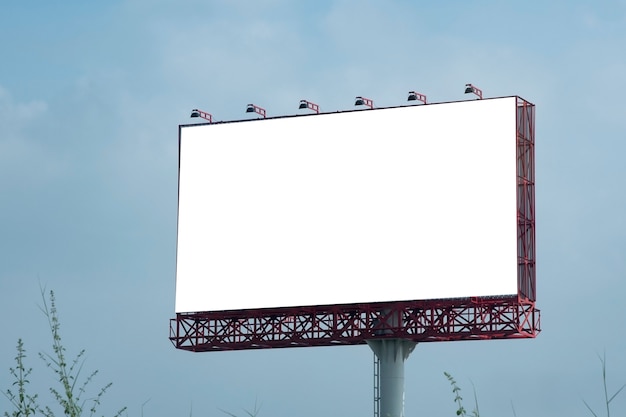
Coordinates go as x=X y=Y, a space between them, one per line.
x=391 y=354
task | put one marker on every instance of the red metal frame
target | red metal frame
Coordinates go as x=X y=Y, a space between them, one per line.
x=306 y=104
x=473 y=318
x=415 y=96
x=253 y=108
x=526 y=248
x=421 y=321
x=366 y=102
x=475 y=90
x=202 y=114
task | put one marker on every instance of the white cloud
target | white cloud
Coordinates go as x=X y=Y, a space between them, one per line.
x=25 y=159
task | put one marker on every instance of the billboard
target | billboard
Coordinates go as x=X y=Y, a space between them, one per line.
x=390 y=204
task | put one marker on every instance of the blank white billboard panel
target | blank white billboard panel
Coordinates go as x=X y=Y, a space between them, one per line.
x=366 y=206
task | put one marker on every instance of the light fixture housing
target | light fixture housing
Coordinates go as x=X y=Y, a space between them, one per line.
x=201 y=114
x=253 y=108
x=305 y=104
x=469 y=88
x=363 y=101
x=415 y=96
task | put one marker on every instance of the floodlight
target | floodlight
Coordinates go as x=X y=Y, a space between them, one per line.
x=469 y=88
x=255 y=109
x=415 y=96
x=362 y=101
x=202 y=114
x=305 y=104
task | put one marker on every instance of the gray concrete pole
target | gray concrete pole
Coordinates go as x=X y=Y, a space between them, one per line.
x=392 y=353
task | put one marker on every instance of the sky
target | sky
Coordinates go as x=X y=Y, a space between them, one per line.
x=91 y=97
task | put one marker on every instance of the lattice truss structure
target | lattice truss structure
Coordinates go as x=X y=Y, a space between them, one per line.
x=506 y=317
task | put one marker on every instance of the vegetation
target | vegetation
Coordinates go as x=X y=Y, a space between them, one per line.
x=70 y=395
x=23 y=403
x=607 y=400
x=253 y=413
x=456 y=390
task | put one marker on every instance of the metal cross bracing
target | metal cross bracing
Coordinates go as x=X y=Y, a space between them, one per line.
x=526 y=199
x=422 y=321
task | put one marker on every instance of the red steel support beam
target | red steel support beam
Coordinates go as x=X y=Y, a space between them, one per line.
x=422 y=321
x=526 y=248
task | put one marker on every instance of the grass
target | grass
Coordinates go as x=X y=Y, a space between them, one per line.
x=456 y=390
x=253 y=413
x=607 y=398
x=460 y=411
x=23 y=403
x=73 y=387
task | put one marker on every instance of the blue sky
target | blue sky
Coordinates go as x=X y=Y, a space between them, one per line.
x=91 y=96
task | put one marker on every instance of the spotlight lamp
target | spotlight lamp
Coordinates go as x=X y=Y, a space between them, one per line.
x=415 y=96
x=202 y=114
x=255 y=109
x=305 y=104
x=469 y=88
x=362 y=101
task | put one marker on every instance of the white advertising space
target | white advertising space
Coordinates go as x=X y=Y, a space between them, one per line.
x=392 y=204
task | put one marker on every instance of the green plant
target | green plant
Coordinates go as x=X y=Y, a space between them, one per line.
x=456 y=390
x=607 y=400
x=70 y=396
x=25 y=404
x=253 y=413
